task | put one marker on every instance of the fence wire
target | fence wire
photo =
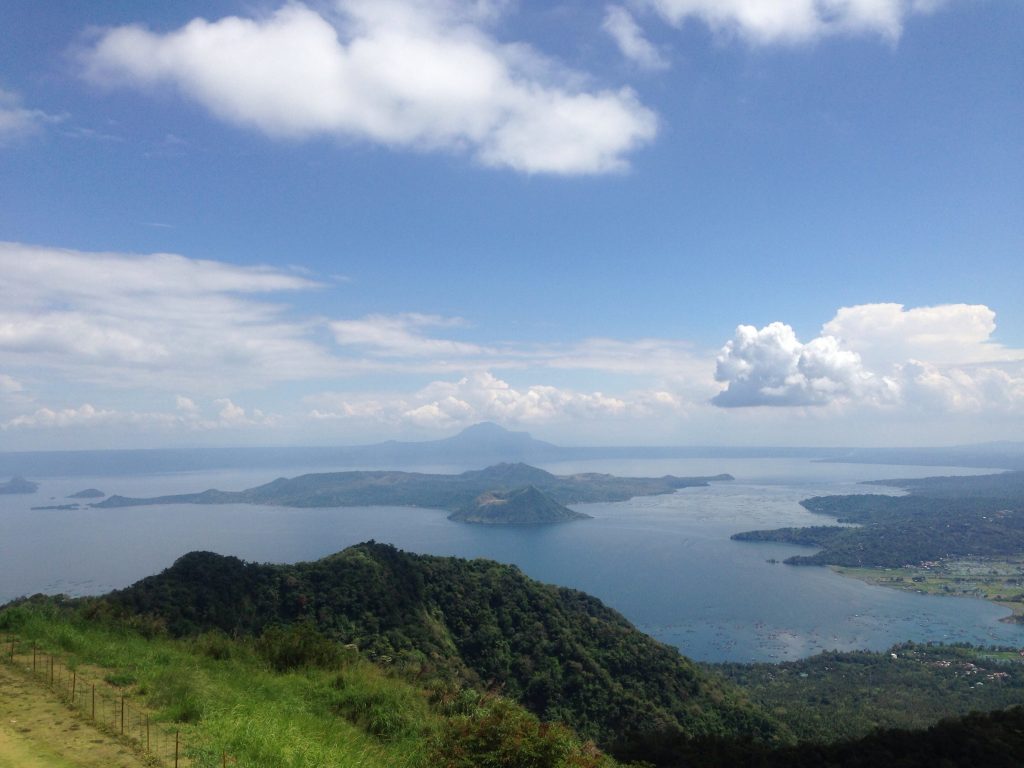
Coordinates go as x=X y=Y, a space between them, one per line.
x=108 y=706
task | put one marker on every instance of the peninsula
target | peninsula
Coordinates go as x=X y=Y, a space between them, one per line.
x=948 y=535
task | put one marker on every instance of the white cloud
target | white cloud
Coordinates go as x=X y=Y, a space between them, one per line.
x=401 y=335
x=188 y=416
x=420 y=75
x=185 y=404
x=620 y=24
x=9 y=385
x=949 y=334
x=17 y=121
x=962 y=389
x=771 y=367
x=158 y=320
x=937 y=358
x=85 y=415
x=794 y=21
x=483 y=397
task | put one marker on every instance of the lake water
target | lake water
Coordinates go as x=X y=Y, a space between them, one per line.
x=665 y=562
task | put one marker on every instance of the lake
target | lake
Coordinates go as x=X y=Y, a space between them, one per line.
x=665 y=562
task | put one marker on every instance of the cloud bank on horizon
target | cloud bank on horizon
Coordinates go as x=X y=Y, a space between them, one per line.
x=207 y=336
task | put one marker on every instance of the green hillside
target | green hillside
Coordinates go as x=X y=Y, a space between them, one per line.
x=562 y=654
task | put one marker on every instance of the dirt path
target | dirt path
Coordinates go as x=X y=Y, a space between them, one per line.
x=38 y=731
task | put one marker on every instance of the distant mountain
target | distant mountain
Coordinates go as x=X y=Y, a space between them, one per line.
x=480 y=444
x=998 y=455
x=19 y=485
x=524 y=506
x=416 y=489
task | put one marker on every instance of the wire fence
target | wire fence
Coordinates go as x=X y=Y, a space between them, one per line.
x=110 y=707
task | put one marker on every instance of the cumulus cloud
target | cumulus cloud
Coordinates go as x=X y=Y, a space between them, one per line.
x=794 y=21
x=938 y=358
x=482 y=396
x=157 y=319
x=949 y=334
x=420 y=75
x=17 y=121
x=85 y=415
x=620 y=24
x=771 y=367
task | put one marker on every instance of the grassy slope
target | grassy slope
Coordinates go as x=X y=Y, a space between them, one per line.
x=235 y=703
x=226 y=698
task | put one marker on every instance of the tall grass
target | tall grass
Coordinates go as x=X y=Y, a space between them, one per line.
x=230 y=696
x=229 y=700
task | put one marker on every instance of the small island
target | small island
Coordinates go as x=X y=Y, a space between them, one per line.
x=524 y=506
x=19 y=485
x=88 y=493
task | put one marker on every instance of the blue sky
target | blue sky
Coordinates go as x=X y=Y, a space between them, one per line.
x=654 y=221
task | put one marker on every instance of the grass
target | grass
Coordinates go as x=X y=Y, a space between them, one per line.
x=37 y=731
x=231 y=702
x=226 y=697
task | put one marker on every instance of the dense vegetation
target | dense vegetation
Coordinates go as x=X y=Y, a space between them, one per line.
x=941 y=518
x=834 y=696
x=451 y=492
x=561 y=653
x=291 y=696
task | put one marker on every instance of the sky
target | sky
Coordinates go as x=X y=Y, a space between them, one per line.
x=647 y=222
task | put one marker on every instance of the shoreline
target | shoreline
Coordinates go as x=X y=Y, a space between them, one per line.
x=998 y=580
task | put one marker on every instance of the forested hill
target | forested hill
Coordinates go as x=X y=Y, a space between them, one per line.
x=942 y=517
x=451 y=492
x=560 y=652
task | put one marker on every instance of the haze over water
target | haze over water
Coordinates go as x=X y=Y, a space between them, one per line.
x=665 y=562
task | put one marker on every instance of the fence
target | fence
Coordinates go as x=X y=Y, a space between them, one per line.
x=103 y=703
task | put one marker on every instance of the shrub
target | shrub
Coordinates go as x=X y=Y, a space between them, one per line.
x=502 y=734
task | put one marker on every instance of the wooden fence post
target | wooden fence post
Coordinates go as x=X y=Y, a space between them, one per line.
x=74 y=682
x=94 y=701
x=122 y=713
x=176 y=749
x=33 y=657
